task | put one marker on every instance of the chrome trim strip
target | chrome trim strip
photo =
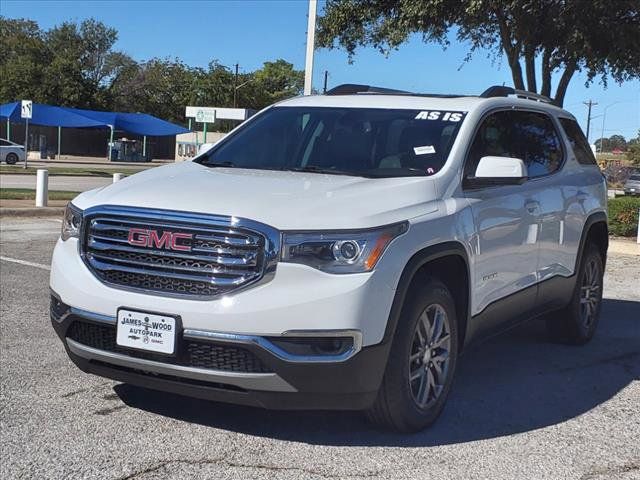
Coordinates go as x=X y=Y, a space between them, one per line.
x=94 y=244
x=96 y=317
x=278 y=352
x=220 y=281
x=228 y=267
x=260 y=341
x=250 y=381
x=214 y=234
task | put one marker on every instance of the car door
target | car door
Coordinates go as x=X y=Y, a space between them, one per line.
x=538 y=142
x=4 y=148
x=505 y=251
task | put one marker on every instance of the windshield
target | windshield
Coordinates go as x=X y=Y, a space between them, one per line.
x=350 y=141
x=635 y=178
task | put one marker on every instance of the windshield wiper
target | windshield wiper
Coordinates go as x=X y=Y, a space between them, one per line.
x=317 y=169
x=218 y=164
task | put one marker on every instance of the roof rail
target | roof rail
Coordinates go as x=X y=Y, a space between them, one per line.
x=502 y=91
x=352 y=88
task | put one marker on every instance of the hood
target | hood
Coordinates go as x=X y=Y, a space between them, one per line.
x=284 y=200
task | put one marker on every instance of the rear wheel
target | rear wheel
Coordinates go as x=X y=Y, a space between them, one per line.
x=11 y=159
x=421 y=363
x=576 y=323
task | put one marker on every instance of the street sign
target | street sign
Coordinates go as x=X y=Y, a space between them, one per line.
x=27 y=109
x=240 y=114
x=26 y=112
x=202 y=114
x=205 y=116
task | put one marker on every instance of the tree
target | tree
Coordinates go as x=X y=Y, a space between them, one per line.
x=161 y=87
x=75 y=64
x=633 y=150
x=22 y=54
x=614 y=142
x=71 y=64
x=83 y=63
x=599 y=37
x=276 y=81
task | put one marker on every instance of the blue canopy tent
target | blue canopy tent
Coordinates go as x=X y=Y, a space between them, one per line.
x=61 y=117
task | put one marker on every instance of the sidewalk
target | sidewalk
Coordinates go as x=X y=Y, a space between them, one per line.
x=27 y=208
x=625 y=246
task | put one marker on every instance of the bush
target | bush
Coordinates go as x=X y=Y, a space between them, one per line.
x=623 y=216
x=633 y=154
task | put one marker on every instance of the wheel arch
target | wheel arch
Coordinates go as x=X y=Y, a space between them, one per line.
x=449 y=263
x=596 y=230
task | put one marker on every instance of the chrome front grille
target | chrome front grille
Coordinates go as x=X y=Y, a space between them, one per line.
x=213 y=255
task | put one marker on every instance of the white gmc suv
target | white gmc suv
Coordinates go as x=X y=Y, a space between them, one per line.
x=338 y=252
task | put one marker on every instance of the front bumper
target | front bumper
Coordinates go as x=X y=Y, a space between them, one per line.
x=246 y=371
x=296 y=298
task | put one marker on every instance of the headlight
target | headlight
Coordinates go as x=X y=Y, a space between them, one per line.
x=340 y=252
x=71 y=222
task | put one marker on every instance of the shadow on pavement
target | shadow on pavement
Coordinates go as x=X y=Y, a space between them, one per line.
x=514 y=383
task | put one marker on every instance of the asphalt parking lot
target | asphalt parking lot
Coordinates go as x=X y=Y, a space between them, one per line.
x=521 y=408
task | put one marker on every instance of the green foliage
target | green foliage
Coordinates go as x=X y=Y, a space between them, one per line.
x=75 y=64
x=22 y=55
x=633 y=154
x=623 y=216
x=633 y=150
x=612 y=143
x=598 y=36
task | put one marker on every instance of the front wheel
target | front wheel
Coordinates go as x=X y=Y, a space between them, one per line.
x=421 y=363
x=11 y=159
x=576 y=324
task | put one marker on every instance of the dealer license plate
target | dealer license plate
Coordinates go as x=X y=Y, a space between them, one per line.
x=146 y=331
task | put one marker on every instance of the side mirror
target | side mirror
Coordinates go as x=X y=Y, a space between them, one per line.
x=499 y=171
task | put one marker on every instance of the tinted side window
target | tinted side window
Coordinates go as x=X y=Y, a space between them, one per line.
x=535 y=140
x=492 y=139
x=579 y=143
x=4 y=143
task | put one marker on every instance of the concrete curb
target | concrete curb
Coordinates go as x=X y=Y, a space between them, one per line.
x=32 y=212
x=623 y=245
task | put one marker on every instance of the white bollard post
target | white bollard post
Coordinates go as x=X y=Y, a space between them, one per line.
x=638 y=225
x=117 y=177
x=42 y=187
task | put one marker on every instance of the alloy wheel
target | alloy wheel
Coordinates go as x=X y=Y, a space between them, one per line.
x=429 y=356
x=590 y=293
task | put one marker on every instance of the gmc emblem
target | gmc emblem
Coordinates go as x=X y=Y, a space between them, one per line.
x=142 y=237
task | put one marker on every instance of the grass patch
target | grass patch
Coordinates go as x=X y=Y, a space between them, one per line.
x=28 y=194
x=70 y=171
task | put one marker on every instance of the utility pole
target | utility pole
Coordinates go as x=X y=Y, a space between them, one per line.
x=589 y=104
x=235 y=87
x=311 y=39
x=326 y=75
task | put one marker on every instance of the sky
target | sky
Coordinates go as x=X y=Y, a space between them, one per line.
x=250 y=32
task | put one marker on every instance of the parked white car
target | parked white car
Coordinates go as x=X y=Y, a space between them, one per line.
x=11 y=152
x=338 y=252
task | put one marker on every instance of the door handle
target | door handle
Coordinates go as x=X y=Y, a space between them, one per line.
x=532 y=206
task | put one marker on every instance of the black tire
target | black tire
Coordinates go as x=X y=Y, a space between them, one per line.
x=11 y=158
x=397 y=406
x=577 y=322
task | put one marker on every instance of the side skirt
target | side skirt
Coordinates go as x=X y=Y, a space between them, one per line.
x=520 y=307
